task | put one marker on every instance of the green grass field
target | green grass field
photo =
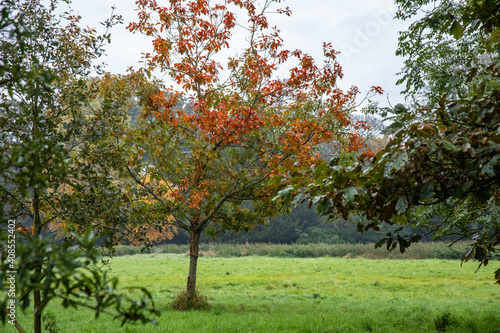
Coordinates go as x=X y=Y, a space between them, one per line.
x=263 y=294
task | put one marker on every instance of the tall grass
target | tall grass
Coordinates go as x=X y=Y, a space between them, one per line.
x=429 y=250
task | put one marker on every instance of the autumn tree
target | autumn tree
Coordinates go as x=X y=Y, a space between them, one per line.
x=442 y=162
x=212 y=143
x=50 y=167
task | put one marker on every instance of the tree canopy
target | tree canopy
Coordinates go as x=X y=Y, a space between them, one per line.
x=48 y=169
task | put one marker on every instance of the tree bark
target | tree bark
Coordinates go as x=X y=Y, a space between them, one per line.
x=37 y=223
x=193 y=262
x=37 y=322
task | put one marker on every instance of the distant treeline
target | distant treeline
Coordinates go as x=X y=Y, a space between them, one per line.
x=301 y=226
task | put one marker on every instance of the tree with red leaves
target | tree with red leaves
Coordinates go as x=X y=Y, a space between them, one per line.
x=210 y=146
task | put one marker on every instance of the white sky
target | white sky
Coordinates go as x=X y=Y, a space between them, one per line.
x=364 y=31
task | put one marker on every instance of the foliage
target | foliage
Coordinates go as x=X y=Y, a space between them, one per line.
x=74 y=278
x=444 y=153
x=203 y=153
x=449 y=50
x=48 y=134
x=12 y=27
x=49 y=148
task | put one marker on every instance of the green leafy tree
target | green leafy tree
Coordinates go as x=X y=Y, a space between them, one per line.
x=51 y=173
x=444 y=150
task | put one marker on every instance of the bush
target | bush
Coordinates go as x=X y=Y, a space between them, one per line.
x=122 y=250
x=200 y=302
x=319 y=235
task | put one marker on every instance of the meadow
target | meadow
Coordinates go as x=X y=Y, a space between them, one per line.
x=326 y=294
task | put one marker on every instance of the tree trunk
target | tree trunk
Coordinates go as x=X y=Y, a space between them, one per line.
x=193 y=262
x=37 y=224
x=37 y=322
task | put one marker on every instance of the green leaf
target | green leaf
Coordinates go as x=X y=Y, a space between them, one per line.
x=480 y=254
x=396 y=125
x=284 y=194
x=318 y=198
x=456 y=30
x=443 y=28
x=380 y=243
x=472 y=73
x=427 y=190
x=489 y=168
x=400 y=159
x=402 y=204
x=399 y=109
x=275 y=180
x=325 y=205
x=467 y=185
x=334 y=162
x=448 y=145
x=350 y=193
x=432 y=147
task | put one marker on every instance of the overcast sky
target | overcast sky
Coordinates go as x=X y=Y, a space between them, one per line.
x=364 y=31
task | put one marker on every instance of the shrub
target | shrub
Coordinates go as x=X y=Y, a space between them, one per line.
x=200 y=302
x=122 y=250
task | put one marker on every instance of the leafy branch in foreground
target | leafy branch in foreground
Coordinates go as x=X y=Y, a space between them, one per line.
x=444 y=152
x=48 y=171
x=71 y=274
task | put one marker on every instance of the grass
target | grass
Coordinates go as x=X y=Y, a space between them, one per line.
x=269 y=294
